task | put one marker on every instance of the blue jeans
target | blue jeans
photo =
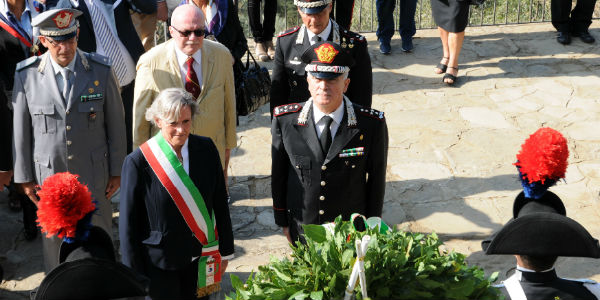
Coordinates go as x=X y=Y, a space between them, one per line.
x=385 y=19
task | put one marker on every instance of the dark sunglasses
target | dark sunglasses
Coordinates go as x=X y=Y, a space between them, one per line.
x=197 y=32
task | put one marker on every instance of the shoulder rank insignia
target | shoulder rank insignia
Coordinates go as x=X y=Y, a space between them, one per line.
x=99 y=58
x=349 y=35
x=25 y=63
x=286 y=108
x=373 y=113
x=288 y=31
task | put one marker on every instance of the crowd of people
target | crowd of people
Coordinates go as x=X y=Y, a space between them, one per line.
x=85 y=91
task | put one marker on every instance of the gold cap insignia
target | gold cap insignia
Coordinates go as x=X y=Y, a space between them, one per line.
x=96 y=83
x=63 y=19
x=326 y=53
x=91 y=90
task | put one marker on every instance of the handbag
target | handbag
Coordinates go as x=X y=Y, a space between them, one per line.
x=252 y=87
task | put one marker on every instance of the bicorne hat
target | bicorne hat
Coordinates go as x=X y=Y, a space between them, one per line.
x=540 y=226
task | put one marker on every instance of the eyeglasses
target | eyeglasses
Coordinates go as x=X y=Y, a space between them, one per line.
x=197 y=32
x=64 y=42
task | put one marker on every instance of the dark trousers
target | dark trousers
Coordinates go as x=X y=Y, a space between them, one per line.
x=580 y=18
x=127 y=98
x=385 y=19
x=262 y=32
x=179 y=284
x=343 y=12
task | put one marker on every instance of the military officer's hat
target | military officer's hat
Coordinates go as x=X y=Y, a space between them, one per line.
x=88 y=266
x=59 y=24
x=540 y=226
x=327 y=60
x=311 y=6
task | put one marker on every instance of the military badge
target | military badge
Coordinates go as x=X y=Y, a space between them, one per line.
x=359 y=151
x=90 y=90
x=63 y=19
x=92 y=97
x=96 y=83
x=326 y=53
x=361 y=137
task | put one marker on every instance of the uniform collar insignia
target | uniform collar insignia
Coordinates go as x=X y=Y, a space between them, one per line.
x=303 y=117
x=84 y=60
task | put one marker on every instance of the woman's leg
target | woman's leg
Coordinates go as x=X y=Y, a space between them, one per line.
x=455 y=41
x=445 y=46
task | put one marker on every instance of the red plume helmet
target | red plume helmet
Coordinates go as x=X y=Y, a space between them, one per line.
x=543 y=156
x=63 y=202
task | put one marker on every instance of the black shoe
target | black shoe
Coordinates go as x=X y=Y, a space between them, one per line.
x=585 y=37
x=563 y=38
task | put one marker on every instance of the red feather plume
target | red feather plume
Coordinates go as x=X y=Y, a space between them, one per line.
x=543 y=156
x=63 y=202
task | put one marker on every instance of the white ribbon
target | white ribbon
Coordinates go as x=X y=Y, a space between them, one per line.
x=358 y=270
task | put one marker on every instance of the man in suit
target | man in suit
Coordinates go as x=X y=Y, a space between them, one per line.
x=540 y=231
x=107 y=29
x=68 y=116
x=288 y=81
x=329 y=155
x=572 y=23
x=202 y=67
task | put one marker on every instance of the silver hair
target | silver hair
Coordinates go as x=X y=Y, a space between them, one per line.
x=168 y=104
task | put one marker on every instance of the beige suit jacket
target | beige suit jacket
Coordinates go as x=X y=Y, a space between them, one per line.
x=157 y=70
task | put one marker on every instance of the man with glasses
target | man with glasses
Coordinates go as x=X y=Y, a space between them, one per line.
x=202 y=67
x=68 y=117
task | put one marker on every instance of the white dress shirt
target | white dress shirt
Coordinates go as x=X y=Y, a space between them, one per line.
x=324 y=34
x=107 y=11
x=182 y=58
x=337 y=116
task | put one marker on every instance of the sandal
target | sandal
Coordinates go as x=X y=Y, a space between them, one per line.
x=450 y=76
x=441 y=66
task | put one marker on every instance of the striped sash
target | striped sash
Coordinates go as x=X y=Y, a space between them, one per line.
x=169 y=170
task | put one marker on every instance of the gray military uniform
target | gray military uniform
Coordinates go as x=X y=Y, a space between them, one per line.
x=83 y=134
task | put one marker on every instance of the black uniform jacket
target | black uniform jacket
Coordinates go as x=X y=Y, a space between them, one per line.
x=313 y=188
x=151 y=228
x=547 y=285
x=288 y=81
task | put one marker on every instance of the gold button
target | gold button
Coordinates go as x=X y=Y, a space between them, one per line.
x=321 y=212
x=322 y=183
x=69 y=143
x=323 y=167
x=353 y=166
x=70 y=157
x=322 y=198
x=68 y=127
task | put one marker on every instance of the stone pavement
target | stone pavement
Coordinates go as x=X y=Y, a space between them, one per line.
x=451 y=148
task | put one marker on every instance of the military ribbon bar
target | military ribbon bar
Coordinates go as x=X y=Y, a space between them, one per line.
x=171 y=174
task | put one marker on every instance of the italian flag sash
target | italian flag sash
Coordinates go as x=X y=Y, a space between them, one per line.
x=169 y=170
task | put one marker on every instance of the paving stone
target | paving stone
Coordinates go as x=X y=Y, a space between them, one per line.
x=483 y=117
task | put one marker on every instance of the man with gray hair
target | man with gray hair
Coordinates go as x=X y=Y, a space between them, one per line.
x=329 y=155
x=202 y=67
x=68 y=117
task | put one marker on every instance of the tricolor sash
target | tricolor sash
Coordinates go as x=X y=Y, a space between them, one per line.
x=169 y=170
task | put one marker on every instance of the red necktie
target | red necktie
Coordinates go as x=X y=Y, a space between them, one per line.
x=191 y=80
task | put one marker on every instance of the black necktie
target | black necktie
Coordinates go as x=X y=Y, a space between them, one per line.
x=325 y=137
x=316 y=39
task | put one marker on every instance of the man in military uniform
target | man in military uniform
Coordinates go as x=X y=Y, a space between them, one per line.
x=540 y=231
x=68 y=116
x=329 y=156
x=288 y=82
